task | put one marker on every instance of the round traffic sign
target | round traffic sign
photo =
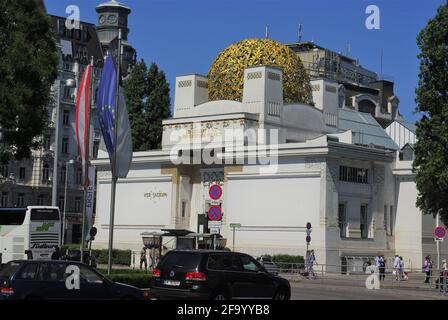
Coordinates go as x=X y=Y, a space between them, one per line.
x=440 y=232
x=308 y=225
x=215 y=192
x=308 y=239
x=214 y=213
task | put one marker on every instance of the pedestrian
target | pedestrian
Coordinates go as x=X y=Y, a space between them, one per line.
x=311 y=262
x=396 y=270
x=427 y=268
x=56 y=255
x=403 y=275
x=380 y=264
x=143 y=258
x=444 y=265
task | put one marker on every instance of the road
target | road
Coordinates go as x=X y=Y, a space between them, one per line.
x=342 y=290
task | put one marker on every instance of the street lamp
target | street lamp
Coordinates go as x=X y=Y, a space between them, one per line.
x=65 y=199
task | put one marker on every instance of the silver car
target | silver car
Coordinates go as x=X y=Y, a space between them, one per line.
x=268 y=265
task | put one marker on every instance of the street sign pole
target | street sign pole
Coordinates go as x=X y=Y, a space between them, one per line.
x=438 y=244
x=233 y=245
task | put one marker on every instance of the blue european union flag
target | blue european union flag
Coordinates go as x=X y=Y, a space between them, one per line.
x=106 y=103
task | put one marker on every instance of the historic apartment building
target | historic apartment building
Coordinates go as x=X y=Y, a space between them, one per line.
x=30 y=181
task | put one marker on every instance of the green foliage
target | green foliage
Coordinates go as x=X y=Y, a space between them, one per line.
x=119 y=257
x=28 y=68
x=286 y=258
x=148 y=101
x=431 y=150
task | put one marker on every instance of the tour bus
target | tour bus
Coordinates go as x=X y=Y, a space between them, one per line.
x=29 y=233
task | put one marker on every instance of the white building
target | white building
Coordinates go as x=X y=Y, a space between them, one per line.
x=331 y=165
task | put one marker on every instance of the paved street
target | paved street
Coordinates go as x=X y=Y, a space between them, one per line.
x=347 y=289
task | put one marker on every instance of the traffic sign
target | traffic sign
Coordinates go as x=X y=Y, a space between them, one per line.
x=215 y=191
x=438 y=239
x=214 y=224
x=214 y=230
x=235 y=225
x=308 y=225
x=308 y=239
x=440 y=232
x=215 y=213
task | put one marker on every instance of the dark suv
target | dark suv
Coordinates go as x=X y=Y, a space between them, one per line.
x=35 y=280
x=216 y=275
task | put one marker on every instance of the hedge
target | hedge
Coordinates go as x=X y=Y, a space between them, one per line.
x=119 y=257
x=285 y=258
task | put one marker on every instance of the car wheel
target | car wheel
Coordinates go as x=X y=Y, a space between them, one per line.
x=220 y=294
x=281 y=294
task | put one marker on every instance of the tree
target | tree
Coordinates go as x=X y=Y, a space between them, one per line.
x=28 y=68
x=431 y=150
x=148 y=101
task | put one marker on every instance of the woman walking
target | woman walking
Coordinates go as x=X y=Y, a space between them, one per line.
x=427 y=266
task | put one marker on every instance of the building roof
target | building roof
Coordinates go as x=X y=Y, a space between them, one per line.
x=366 y=130
x=113 y=3
x=410 y=126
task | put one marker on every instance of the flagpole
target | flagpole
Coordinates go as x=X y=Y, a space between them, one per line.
x=114 y=159
x=87 y=164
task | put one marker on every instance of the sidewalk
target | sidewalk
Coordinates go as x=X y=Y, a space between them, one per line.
x=356 y=283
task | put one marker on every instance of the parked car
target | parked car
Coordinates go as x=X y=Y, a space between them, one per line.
x=28 y=279
x=215 y=275
x=268 y=264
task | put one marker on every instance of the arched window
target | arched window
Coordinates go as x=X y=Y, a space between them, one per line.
x=367 y=106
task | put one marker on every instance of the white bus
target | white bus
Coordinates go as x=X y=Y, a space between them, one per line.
x=32 y=229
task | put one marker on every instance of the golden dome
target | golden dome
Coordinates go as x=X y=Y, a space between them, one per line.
x=225 y=77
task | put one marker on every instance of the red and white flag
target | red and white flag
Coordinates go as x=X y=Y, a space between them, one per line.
x=82 y=117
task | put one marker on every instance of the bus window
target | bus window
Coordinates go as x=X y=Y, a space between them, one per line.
x=12 y=217
x=44 y=214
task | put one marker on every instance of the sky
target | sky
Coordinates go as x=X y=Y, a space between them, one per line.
x=185 y=36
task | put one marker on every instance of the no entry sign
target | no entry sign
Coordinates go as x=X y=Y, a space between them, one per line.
x=440 y=232
x=214 y=213
x=215 y=192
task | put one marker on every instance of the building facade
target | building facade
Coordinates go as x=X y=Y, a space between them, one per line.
x=280 y=166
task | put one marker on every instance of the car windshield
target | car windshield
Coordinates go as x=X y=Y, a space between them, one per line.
x=9 y=269
x=180 y=260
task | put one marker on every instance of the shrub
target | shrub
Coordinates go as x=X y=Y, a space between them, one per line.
x=119 y=257
x=286 y=258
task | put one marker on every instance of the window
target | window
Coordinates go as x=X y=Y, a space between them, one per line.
x=184 y=209
x=12 y=217
x=65 y=145
x=249 y=264
x=89 y=275
x=79 y=176
x=227 y=262
x=391 y=220
x=28 y=272
x=45 y=173
x=350 y=174
x=364 y=222
x=63 y=174
x=52 y=272
x=47 y=143
x=44 y=214
x=67 y=92
x=96 y=147
x=66 y=118
x=21 y=200
x=61 y=202
x=22 y=173
x=77 y=204
x=4 y=170
x=4 y=199
x=342 y=216
x=40 y=200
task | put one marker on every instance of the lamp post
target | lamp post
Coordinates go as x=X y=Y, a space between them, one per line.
x=64 y=226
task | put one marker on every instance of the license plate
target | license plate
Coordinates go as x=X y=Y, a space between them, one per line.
x=171 y=283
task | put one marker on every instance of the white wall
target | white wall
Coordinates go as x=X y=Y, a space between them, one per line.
x=273 y=211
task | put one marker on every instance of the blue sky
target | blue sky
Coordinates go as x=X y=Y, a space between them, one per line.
x=184 y=36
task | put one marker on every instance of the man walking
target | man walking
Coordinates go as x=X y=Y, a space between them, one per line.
x=311 y=262
x=143 y=258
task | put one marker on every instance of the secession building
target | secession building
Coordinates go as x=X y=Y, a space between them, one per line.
x=286 y=150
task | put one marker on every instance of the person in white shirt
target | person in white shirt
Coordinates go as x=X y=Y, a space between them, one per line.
x=397 y=266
